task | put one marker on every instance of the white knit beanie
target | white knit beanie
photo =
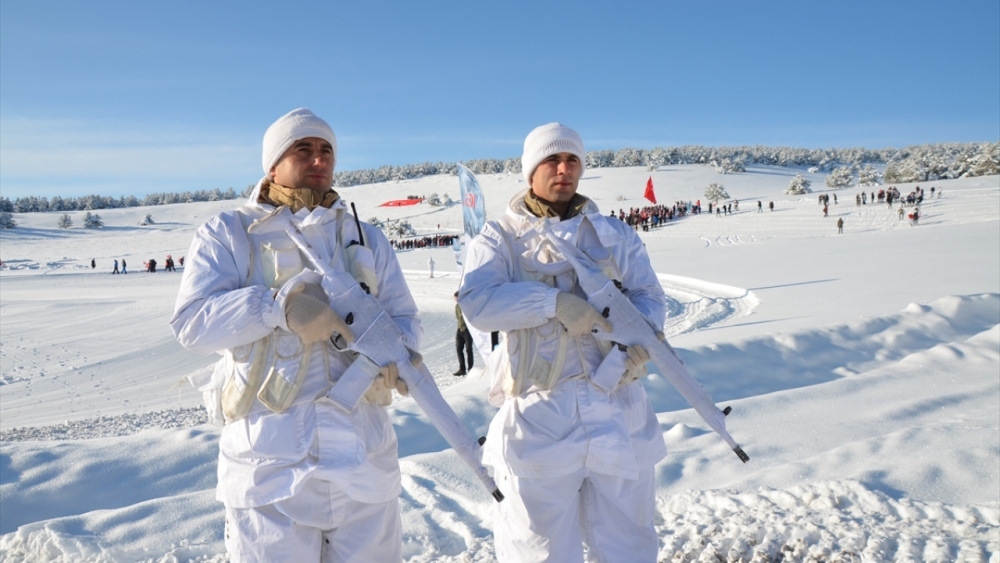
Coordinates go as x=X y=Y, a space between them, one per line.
x=294 y=125
x=547 y=140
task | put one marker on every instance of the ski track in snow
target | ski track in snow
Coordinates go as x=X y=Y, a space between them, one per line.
x=696 y=304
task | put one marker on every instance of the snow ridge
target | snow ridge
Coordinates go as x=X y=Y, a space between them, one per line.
x=108 y=426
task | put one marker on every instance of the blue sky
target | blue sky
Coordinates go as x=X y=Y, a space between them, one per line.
x=134 y=97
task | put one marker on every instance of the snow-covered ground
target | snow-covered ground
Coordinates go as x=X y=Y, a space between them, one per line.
x=863 y=370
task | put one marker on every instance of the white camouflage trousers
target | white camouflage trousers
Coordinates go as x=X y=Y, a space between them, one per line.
x=318 y=525
x=549 y=520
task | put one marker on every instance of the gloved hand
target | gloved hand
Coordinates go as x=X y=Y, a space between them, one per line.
x=309 y=315
x=578 y=316
x=635 y=364
x=380 y=392
x=637 y=357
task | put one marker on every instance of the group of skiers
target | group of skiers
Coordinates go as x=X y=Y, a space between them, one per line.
x=303 y=479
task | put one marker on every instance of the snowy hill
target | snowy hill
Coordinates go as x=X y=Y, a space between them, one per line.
x=863 y=369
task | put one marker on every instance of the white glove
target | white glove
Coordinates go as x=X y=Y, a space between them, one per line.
x=578 y=316
x=637 y=357
x=380 y=392
x=309 y=315
x=635 y=364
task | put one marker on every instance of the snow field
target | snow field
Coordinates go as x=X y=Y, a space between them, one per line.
x=863 y=370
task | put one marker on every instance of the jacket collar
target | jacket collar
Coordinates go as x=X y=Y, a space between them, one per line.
x=518 y=210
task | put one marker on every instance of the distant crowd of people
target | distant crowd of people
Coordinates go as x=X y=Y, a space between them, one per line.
x=436 y=241
x=891 y=195
x=149 y=266
x=653 y=216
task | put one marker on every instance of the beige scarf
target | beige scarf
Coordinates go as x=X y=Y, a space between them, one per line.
x=295 y=198
x=542 y=208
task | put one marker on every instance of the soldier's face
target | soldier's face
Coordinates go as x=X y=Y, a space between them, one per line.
x=557 y=177
x=308 y=163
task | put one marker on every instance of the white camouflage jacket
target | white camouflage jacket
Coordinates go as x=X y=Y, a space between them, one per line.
x=230 y=302
x=552 y=420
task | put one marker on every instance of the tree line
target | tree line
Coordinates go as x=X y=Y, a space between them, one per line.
x=918 y=163
x=31 y=204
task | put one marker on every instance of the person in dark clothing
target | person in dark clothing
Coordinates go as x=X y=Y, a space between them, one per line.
x=463 y=340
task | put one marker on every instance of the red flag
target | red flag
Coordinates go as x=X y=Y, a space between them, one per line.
x=649 y=190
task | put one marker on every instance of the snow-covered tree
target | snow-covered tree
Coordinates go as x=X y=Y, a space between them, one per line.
x=400 y=229
x=987 y=161
x=840 y=177
x=868 y=176
x=376 y=222
x=716 y=192
x=65 y=221
x=904 y=171
x=447 y=201
x=798 y=186
x=7 y=220
x=434 y=200
x=92 y=221
x=147 y=220
x=730 y=166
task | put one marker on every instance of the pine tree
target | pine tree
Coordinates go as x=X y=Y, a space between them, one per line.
x=7 y=220
x=987 y=161
x=400 y=229
x=716 y=192
x=730 y=166
x=868 y=176
x=92 y=221
x=840 y=177
x=147 y=220
x=798 y=186
x=65 y=221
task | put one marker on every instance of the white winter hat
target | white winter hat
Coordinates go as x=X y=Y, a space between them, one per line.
x=294 y=125
x=547 y=140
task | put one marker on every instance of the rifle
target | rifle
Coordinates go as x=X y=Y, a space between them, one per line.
x=379 y=342
x=629 y=328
